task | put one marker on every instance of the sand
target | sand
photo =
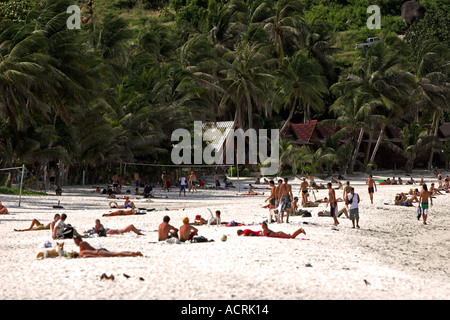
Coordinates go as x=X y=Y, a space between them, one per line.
x=392 y=256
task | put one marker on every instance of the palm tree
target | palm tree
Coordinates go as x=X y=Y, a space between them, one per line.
x=302 y=82
x=433 y=84
x=245 y=80
x=415 y=141
x=286 y=26
x=379 y=77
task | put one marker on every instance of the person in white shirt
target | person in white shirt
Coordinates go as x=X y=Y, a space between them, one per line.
x=63 y=231
x=352 y=199
x=183 y=186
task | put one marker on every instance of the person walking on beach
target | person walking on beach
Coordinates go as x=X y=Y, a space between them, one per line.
x=333 y=203
x=304 y=190
x=372 y=187
x=424 y=197
x=353 y=200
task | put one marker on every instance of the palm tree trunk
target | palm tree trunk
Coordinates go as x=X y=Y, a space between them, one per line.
x=369 y=146
x=355 y=151
x=291 y=114
x=436 y=128
x=377 y=145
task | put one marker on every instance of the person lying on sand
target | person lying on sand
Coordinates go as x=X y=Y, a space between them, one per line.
x=101 y=231
x=340 y=213
x=3 y=209
x=249 y=233
x=250 y=193
x=166 y=231
x=120 y=212
x=87 y=251
x=272 y=234
x=36 y=225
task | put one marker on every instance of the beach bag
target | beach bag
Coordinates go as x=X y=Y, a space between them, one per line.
x=306 y=214
x=419 y=212
x=199 y=239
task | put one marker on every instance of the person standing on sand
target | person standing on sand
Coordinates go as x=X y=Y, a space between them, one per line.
x=333 y=203
x=272 y=199
x=284 y=198
x=372 y=187
x=353 y=200
x=304 y=190
x=182 y=186
x=289 y=199
x=425 y=196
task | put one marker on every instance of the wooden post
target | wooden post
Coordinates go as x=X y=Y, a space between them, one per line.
x=21 y=184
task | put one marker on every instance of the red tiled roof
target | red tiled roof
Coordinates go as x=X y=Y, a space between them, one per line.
x=302 y=131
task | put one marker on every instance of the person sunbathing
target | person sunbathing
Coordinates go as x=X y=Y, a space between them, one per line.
x=280 y=234
x=249 y=233
x=101 y=231
x=87 y=251
x=434 y=191
x=3 y=209
x=120 y=213
x=36 y=225
x=250 y=193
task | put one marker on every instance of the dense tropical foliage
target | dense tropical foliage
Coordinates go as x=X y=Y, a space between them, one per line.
x=116 y=89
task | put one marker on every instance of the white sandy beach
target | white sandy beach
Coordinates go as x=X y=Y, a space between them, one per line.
x=392 y=256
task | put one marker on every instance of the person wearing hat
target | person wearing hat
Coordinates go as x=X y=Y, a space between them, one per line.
x=187 y=232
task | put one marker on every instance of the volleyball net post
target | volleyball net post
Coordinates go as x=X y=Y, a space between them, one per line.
x=21 y=179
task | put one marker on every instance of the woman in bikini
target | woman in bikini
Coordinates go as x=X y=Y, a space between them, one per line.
x=280 y=234
x=120 y=213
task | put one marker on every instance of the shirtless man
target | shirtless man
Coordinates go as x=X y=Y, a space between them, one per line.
x=425 y=196
x=280 y=234
x=304 y=190
x=372 y=187
x=166 y=231
x=272 y=199
x=192 y=182
x=333 y=203
x=285 y=196
x=87 y=251
x=187 y=232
